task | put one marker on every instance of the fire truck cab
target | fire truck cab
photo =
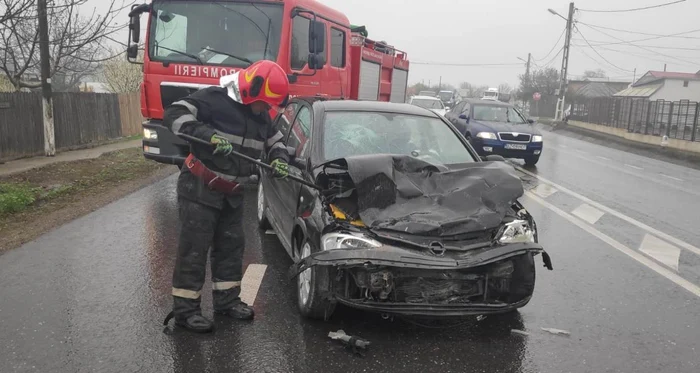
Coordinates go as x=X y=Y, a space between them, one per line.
x=191 y=44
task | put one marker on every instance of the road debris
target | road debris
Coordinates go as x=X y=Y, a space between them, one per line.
x=556 y=331
x=480 y=318
x=519 y=332
x=354 y=343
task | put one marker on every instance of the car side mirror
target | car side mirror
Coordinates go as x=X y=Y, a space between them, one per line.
x=462 y=116
x=492 y=158
x=317 y=37
x=531 y=121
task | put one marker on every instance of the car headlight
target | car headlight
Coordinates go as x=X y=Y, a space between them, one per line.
x=150 y=134
x=536 y=138
x=486 y=135
x=515 y=232
x=334 y=241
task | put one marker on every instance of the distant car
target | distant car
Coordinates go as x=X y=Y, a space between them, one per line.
x=494 y=127
x=408 y=220
x=430 y=103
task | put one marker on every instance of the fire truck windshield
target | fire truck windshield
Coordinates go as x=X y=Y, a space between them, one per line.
x=216 y=32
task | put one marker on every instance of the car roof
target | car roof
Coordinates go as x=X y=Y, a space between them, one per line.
x=427 y=98
x=374 y=106
x=476 y=101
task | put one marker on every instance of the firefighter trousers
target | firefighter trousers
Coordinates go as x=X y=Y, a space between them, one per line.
x=203 y=227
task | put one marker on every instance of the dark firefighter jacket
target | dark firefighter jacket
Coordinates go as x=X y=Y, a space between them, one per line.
x=211 y=111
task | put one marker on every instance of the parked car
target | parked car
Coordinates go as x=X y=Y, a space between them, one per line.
x=430 y=103
x=409 y=220
x=494 y=127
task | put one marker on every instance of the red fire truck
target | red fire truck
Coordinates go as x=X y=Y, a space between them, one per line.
x=190 y=44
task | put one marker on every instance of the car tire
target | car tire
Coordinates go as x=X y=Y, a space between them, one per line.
x=263 y=223
x=523 y=278
x=531 y=161
x=313 y=287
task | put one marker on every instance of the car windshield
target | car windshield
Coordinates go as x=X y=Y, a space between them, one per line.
x=445 y=95
x=218 y=33
x=493 y=113
x=362 y=133
x=428 y=104
x=490 y=94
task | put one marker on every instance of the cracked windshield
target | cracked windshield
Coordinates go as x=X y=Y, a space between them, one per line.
x=312 y=186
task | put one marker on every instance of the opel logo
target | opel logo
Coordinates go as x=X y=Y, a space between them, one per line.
x=437 y=248
x=516 y=134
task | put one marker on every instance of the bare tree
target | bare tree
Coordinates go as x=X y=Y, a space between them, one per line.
x=599 y=73
x=77 y=41
x=120 y=75
x=504 y=88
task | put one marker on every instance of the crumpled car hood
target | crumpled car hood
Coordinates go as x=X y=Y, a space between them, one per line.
x=407 y=195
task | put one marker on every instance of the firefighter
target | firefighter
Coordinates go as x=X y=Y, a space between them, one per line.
x=233 y=116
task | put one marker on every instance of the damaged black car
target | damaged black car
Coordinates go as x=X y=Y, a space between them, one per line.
x=406 y=218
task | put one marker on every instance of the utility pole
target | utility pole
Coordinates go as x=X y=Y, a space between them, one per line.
x=563 y=83
x=49 y=138
x=527 y=69
x=440 y=83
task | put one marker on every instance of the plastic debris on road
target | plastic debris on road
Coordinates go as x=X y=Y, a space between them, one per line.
x=556 y=331
x=354 y=343
x=519 y=332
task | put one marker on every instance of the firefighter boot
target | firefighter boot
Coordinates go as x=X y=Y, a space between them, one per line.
x=196 y=323
x=240 y=311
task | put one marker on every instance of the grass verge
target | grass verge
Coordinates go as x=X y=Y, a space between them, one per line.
x=35 y=201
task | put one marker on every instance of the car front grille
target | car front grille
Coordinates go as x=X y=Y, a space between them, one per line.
x=514 y=136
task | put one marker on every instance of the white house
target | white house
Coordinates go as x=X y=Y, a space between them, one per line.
x=665 y=85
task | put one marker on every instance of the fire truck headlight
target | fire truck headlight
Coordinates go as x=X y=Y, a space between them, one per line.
x=150 y=134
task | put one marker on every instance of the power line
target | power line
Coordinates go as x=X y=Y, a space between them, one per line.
x=631 y=10
x=552 y=60
x=464 y=64
x=553 y=47
x=598 y=43
x=637 y=46
x=600 y=55
x=646 y=57
x=645 y=33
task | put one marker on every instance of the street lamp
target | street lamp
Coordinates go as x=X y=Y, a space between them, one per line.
x=557 y=14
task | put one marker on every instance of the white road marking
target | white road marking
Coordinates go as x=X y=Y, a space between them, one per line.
x=635 y=167
x=610 y=211
x=603 y=158
x=588 y=213
x=251 y=282
x=671 y=177
x=661 y=250
x=663 y=271
x=544 y=190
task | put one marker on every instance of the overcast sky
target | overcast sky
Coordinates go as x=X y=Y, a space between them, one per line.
x=500 y=31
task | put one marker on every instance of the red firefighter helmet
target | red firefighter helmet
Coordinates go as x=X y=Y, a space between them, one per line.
x=263 y=81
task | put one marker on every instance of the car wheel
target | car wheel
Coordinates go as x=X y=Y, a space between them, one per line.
x=313 y=286
x=523 y=277
x=531 y=161
x=263 y=223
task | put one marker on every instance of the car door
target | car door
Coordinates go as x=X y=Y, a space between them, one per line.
x=298 y=138
x=453 y=115
x=274 y=194
x=460 y=122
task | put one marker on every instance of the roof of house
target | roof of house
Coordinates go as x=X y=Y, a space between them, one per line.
x=597 y=89
x=653 y=76
x=644 y=91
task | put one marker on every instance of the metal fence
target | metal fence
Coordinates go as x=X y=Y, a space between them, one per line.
x=80 y=119
x=677 y=119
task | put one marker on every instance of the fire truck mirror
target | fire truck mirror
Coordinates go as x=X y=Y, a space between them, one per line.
x=132 y=51
x=135 y=26
x=317 y=37
x=316 y=61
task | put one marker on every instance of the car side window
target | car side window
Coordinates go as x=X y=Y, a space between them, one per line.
x=284 y=120
x=301 y=132
x=458 y=109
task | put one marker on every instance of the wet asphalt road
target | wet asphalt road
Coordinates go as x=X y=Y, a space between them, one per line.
x=91 y=295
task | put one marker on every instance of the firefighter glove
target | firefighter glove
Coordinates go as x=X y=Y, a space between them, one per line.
x=223 y=147
x=281 y=168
